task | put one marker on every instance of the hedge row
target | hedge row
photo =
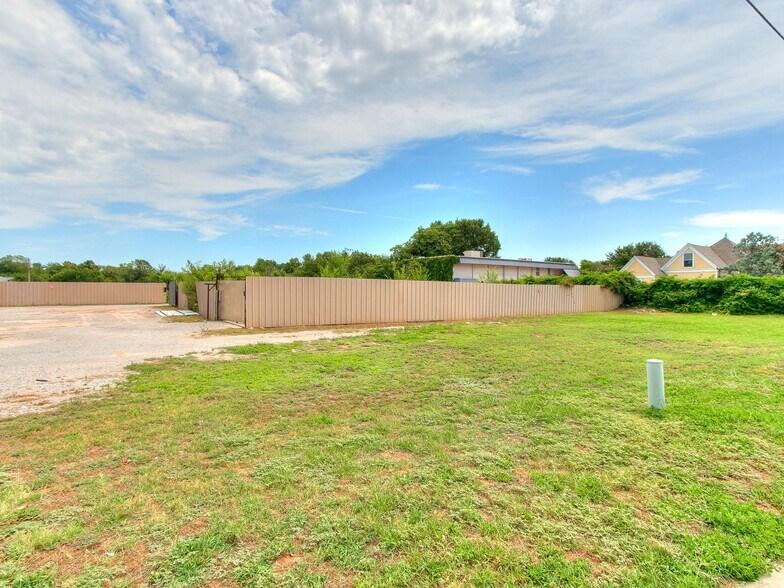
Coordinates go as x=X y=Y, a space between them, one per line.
x=439 y=269
x=621 y=282
x=732 y=295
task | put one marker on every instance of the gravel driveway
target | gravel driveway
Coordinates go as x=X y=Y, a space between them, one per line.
x=51 y=354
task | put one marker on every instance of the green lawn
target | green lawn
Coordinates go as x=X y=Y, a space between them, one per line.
x=480 y=454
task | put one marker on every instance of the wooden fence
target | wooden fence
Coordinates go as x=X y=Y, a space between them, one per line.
x=75 y=293
x=288 y=302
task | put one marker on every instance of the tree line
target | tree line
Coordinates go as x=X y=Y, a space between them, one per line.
x=437 y=239
x=761 y=255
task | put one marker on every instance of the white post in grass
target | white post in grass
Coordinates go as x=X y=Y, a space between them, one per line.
x=655 y=369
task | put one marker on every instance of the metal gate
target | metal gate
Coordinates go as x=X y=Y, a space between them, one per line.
x=173 y=293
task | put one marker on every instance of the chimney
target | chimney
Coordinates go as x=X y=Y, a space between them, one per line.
x=472 y=253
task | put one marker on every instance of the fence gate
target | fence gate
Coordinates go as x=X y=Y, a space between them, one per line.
x=173 y=294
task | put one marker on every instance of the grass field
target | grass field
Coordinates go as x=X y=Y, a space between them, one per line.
x=456 y=454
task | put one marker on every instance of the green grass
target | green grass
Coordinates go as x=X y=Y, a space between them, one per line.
x=501 y=454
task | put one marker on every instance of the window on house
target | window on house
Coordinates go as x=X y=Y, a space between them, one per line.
x=537 y=271
x=688 y=260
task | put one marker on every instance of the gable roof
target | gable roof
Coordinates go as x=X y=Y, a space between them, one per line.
x=721 y=254
x=725 y=249
x=710 y=255
x=652 y=264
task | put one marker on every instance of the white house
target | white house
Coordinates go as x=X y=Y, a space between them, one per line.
x=471 y=267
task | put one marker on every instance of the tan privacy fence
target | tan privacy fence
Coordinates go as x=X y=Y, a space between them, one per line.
x=287 y=302
x=74 y=293
x=226 y=303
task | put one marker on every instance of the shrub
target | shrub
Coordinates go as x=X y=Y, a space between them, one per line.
x=489 y=277
x=623 y=283
x=411 y=270
x=740 y=294
x=439 y=269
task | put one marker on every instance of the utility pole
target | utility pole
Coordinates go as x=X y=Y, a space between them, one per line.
x=28 y=269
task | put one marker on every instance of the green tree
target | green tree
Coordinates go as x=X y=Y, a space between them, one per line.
x=268 y=267
x=139 y=270
x=588 y=266
x=450 y=238
x=343 y=264
x=618 y=257
x=15 y=266
x=335 y=265
x=291 y=266
x=310 y=266
x=760 y=255
x=68 y=271
x=199 y=272
x=410 y=270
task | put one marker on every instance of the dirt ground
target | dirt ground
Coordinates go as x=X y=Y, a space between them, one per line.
x=52 y=354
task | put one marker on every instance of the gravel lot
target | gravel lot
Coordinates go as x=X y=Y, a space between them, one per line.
x=51 y=354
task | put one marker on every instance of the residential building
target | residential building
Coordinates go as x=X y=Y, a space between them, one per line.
x=691 y=262
x=472 y=267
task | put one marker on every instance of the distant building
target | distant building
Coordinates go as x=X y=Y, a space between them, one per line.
x=471 y=267
x=5 y=279
x=691 y=262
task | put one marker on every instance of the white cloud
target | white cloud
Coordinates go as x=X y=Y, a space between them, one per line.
x=570 y=141
x=430 y=186
x=346 y=210
x=193 y=110
x=509 y=169
x=605 y=189
x=281 y=230
x=753 y=220
x=687 y=201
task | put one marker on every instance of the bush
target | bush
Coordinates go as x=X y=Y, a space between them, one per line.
x=623 y=283
x=439 y=269
x=411 y=270
x=739 y=294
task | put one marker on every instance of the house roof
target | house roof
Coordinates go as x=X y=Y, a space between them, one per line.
x=518 y=263
x=709 y=254
x=652 y=263
x=725 y=249
x=721 y=254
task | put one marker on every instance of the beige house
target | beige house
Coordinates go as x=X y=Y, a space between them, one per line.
x=472 y=267
x=691 y=262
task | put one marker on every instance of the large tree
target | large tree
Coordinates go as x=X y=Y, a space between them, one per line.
x=450 y=238
x=14 y=266
x=760 y=255
x=618 y=257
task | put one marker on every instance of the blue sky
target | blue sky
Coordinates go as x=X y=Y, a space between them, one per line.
x=183 y=130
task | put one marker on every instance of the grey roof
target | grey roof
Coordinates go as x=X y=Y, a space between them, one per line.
x=726 y=251
x=721 y=254
x=653 y=263
x=708 y=254
x=517 y=263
